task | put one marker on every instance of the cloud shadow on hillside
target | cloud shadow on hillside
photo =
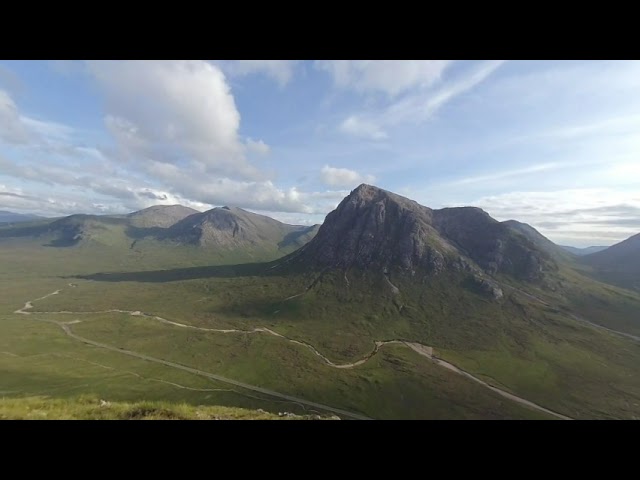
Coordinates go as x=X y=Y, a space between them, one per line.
x=178 y=274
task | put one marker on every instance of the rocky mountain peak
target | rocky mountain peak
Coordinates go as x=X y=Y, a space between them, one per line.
x=376 y=229
x=372 y=227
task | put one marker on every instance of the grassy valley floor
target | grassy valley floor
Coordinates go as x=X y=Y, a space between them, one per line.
x=540 y=355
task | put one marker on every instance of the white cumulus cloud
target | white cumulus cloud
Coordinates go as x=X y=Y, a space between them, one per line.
x=174 y=111
x=359 y=127
x=578 y=216
x=343 y=177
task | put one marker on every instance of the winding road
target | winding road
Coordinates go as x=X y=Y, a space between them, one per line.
x=423 y=350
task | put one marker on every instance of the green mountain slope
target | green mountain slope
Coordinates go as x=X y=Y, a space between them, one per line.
x=230 y=233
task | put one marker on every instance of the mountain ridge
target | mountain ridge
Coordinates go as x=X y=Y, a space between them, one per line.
x=581 y=251
x=619 y=264
x=223 y=229
x=373 y=229
x=13 y=217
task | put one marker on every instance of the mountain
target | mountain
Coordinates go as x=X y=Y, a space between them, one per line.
x=619 y=264
x=74 y=229
x=162 y=216
x=376 y=230
x=378 y=243
x=235 y=228
x=11 y=217
x=583 y=251
x=297 y=238
x=223 y=230
x=536 y=238
x=65 y=231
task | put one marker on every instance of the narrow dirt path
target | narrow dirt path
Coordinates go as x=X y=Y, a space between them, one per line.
x=289 y=398
x=213 y=376
x=28 y=306
x=423 y=350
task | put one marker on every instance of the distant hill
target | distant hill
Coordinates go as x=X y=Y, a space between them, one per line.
x=583 y=251
x=235 y=228
x=11 y=217
x=225 y=230
x=619 y=264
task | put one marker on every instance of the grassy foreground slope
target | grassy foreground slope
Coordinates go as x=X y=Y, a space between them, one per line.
x=93 y=408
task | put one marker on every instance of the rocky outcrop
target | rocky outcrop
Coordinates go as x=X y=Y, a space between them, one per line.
x=486 y=287
x=373 y=228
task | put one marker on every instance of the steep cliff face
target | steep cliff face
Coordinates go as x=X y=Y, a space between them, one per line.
x=375 y=228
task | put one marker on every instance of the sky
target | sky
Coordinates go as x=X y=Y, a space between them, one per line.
x=554 y=144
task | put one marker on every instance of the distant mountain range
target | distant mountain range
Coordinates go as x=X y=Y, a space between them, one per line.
x=370 y=228
x=583 y=251
x=11 y=217
x=223 y=229
x=618 y=264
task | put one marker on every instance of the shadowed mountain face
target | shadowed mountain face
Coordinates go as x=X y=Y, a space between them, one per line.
x=373 y=228
x=540 y=241
x=583 y=251
x=618 y=264
x=623 y=255
x=491 y=244
x=69 y=231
